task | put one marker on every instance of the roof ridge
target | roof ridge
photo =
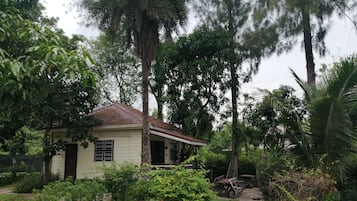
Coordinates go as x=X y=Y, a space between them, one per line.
x=137 y=114
x=102 y=108
x=131 y=109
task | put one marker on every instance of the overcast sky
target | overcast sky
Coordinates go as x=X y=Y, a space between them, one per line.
x=341 y=41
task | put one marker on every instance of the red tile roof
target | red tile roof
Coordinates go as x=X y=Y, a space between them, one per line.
x=118 y=114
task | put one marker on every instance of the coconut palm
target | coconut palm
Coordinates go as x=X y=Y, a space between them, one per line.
x=142 y=20
x=332 y=123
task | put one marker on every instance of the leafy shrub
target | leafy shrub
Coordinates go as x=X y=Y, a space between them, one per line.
x=67 y=191
x=118 y=181
x=174 y=185
x=348 y=186
x=248 y=162
x=7 y=178
x=30 y=182
x=216 y=162
x=270 y=165
x=128 y=182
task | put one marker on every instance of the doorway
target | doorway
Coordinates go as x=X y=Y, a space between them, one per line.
x=70 y=169
x=157 y=152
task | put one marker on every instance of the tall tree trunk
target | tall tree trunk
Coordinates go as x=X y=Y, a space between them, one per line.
x=310 y=65
x=47 y=156
x=146 y=151
x=233 y=165
x=159 y=105
x=13 y=159
x=147 y=39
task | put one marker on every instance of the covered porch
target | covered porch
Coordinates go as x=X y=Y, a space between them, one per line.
x=170 y=148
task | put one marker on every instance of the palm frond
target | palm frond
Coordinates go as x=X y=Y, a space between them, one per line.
x=332 y=105
x=342 y=78
x=308 y=91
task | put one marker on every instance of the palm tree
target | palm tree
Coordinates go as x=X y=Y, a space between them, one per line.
x=332 y=124
x=142 y=20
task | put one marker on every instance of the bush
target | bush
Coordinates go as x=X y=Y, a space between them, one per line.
x=118 y=181
x=270 y=165
x=30 y=182
x=7 y=178
x=348 y=186
x=216 y=162
x=67 y=191
x=174 y=185
x=129 y=183
x=248 y=162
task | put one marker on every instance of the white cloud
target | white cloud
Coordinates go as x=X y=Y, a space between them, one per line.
x=68 y=18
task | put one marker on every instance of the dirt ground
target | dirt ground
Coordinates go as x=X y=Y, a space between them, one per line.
x=6 y=190
x=250 y=194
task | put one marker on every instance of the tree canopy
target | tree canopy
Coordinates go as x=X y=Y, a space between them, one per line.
x=117 y=68
x=45 y=79
x=142 y=21
x=292 y=18
x=193 y=70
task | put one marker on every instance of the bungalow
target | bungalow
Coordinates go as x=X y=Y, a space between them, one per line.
x=119 y=140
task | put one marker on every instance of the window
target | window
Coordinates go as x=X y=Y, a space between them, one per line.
x=104 y=150
x=173 y=151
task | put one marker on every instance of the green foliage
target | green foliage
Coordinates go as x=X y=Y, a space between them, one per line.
x=288 y=16
x=28 y=183
x=25 y=141
x=68 y=191
x=335 y=196
x=216 y=155
x=14 y=173
x=141 y=21
x=32 y=181
x=175 y=185
x=30 y=9
x=7 y=178
x=332 y=128
x=348 y=186
x=46 y=81
x=117 y=68
x=290 y=19
x=120 y=181
x=249 y=160
x=128 y=182
x=193 y=72
x=277 y=119
x=270 y=165
x=11 y=197
x=251 y=43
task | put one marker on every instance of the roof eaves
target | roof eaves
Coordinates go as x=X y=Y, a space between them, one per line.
x=176 y=136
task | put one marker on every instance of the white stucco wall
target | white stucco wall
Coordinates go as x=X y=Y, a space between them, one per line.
x=127 y=148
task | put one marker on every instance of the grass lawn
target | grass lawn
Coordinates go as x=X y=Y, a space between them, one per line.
x=11 y=197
